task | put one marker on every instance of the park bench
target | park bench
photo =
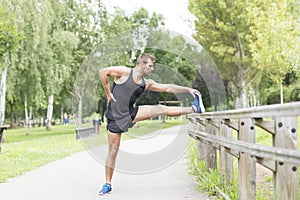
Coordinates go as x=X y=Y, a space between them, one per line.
x=84 y=132
x=88 y=131
x=2 y=128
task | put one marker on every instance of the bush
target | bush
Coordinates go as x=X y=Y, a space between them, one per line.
x=295 y=94
x=273 y=96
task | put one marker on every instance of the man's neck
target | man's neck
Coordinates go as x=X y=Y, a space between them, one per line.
x=137 y=74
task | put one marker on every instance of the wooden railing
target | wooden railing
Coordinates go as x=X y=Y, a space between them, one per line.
x=213 y=132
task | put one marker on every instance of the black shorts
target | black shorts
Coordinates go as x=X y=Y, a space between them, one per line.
x=123 y=124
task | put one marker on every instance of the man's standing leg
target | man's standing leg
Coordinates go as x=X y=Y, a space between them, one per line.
x=113 y=148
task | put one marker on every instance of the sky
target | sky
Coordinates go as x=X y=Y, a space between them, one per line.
x=175 y=12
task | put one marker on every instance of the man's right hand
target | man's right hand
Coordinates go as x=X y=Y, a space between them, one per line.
x=110 y=97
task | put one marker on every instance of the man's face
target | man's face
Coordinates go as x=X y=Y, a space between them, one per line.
x=148 y=67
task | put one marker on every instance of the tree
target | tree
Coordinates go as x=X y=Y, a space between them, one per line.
x=276 y=48
x=25 y=75
x=45 y=57
x=121 y=38
x=62 y=44
x=223 y=28
x=89 y=25
x=229 y=30
x=10 y=37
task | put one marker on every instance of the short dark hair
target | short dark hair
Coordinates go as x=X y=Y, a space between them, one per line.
x=143 y=58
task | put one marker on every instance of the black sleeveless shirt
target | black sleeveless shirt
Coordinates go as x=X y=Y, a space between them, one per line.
x=125 y=94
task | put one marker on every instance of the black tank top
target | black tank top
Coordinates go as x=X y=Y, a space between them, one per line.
x=125 y=94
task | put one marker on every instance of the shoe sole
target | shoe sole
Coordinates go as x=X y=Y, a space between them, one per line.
x=201 y=105
x=101 y=194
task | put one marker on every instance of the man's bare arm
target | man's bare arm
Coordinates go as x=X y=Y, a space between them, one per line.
x=170 y=88
x=115 y=72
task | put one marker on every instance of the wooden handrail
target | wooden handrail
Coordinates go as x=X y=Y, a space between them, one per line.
x=213 y=132
x=259 y=151
x=276 y=110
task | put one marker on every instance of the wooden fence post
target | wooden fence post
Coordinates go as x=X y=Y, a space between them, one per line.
x=201 y=146
x=211 y=157
x=246 y=164
x=226 y=160
x=286 y=175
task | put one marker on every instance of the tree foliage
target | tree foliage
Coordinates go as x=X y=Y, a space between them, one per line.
x=9 y=34
x=255 y=45
x=276 y=49
x=246 y=39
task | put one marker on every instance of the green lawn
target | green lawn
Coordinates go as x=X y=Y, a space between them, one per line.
x=21 y=153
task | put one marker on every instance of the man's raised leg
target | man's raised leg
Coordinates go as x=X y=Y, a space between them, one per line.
x=148 y=112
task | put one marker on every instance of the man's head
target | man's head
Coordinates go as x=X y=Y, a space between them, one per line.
x=146 y=61
x=144 y=58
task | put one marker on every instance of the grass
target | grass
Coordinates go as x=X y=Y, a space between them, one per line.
x=211 y=180
x=21 y=153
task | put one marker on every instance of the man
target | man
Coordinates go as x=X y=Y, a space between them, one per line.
x=121 y=114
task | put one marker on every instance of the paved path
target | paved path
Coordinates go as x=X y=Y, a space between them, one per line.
x=80 y=176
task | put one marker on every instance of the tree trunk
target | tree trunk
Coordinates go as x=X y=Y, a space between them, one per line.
x=30 y=117
x=62 y=115
x=78 y=97
x=12 y=115
x=26 y=112
x=79 y=116
x=241 y=89
x=3 y=91
x=26 y=116
x=281 y=93
x=243 y=93
x=49 y=112
x=236 y=96
x=239 y=92
x=164 y=116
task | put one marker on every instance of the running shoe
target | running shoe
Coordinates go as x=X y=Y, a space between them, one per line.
x=105 y=189
x=197 y=104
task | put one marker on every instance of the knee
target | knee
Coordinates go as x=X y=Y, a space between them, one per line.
x=113 y=150
x=162 y=110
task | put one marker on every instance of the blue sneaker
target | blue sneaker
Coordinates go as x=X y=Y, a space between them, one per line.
x=197 y=104
x=106 y=189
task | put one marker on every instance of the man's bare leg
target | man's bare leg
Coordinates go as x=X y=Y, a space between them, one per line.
x=147 y=112
x=113 y=148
